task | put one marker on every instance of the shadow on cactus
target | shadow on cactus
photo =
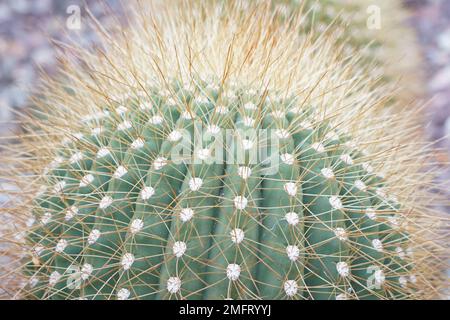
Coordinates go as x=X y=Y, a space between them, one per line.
x=214 y=155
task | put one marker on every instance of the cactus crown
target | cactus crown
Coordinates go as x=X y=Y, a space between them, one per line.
x=159 y=188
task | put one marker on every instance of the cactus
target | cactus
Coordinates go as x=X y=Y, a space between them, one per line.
x=123 y=209
x=376 y=29
x=204 y=156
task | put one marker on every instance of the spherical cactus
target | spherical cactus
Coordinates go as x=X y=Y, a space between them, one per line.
x=208 y=154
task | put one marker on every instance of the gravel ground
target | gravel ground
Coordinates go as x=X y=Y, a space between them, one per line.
x=26 y=26
x=25 y=29
x=431 y=19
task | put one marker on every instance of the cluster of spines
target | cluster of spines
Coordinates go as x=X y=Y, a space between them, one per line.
x=138 y=225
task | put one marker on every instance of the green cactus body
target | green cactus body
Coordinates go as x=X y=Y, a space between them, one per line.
x=132 y=222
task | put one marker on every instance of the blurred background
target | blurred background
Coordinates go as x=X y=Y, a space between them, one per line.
x=26 y=26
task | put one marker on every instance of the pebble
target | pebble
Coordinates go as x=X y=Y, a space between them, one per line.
x=447 y=131
x=43 y=56
x=20 y=6
x=441 y=80
x=444 y=40
x=5 y=12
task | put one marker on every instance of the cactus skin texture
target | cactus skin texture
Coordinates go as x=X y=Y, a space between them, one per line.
x=118 y=216
x=136 y=220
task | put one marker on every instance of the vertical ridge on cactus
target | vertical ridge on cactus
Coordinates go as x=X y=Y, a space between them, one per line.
x=207 y=154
